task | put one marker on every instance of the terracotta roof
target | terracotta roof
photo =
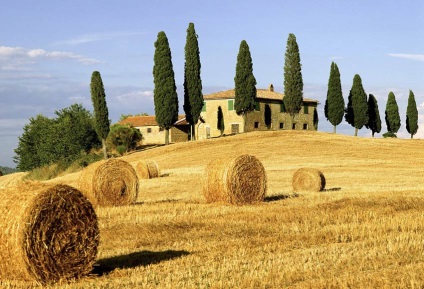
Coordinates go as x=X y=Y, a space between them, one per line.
x=148 y=120
x=260 y=94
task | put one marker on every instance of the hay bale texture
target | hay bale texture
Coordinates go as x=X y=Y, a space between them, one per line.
x=237 y=180
x=308 y=180
x=48 y=233
x=110 y=182
x=147 y=169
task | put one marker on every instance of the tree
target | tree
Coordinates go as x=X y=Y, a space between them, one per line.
x=165 y=91
x=245 y=82
x=193 y=97
x=357 y=106
x=411 y=115
x=220 y=123
x=101 y=113
x=123 y=137
x=293 y=82
x=392 y=114
x=62 y=139
x=374 y=121
x=334 y=104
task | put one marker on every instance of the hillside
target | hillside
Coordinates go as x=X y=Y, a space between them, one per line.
x=364 y=231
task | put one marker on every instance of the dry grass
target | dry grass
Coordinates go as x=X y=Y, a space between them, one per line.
x=365 y=230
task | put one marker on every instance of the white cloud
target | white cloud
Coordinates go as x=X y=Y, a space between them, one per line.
x=135 y=95
x=88 y=38
x=416 y=57
x=18 y=57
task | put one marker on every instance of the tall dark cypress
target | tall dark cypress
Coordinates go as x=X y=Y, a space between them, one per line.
x=411 y=115
x=220 y=121
x=357 y=106
x=392 y=114
x=374 y=120
x=334 y=104
x=165 y=91
x=193 y=97
x=245 y=82
x=101 y=113
x=293 y=82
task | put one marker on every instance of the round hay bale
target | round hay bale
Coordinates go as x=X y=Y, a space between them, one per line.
x=238 y=180
x=147 y=169
x=308 y=180
x=1 y=173
x=110 y=182
x=48 y=233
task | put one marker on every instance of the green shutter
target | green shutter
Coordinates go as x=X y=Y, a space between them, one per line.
x=305 y=109
x=257 y=106
x=204 y=106
x=230 y=104
x=282 y=107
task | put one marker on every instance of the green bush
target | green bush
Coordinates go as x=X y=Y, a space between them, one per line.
x=389 y=134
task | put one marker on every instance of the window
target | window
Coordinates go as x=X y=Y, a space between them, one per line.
x=257 y=106
x=294 y=126
x=305 y=109
x=149 y=130
x=281 y=125
x=282 y=107
x=231 y=104
x=305 y=126
x=204 y=106
x=256 y=124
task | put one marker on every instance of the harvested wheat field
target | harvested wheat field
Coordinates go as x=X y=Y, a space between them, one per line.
x=364 y=230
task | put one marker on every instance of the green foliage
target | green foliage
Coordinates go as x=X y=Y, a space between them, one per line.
x=374 y=121
x=389 y=134
x=193 y=97
x=165 y=91
x=411 y=115
x=334 y=104
x=316 y=119
x=392 y=114
x=64 y=138
x=101 y=113
x=245 y=81
x=357 y=107
x=123 y=138
x=220 y=122
x=293 y=82
x=7 y=170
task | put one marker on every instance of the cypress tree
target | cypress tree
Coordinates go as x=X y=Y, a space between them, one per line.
x=293 y=82
x=374 y=120
x=334 y=104
x=165 y=91
x=101 y=113
x=193 y=97
x=357 y=106
x=220 y=123
x=245 y=82
x=392 y=114
x=411 y=115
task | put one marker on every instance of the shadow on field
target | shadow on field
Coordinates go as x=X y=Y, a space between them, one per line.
x=143 y=258
x=279 y=197
x=332 y=190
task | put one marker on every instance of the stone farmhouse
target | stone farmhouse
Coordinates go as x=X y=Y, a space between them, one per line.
x=269 y=114
x=153 y=134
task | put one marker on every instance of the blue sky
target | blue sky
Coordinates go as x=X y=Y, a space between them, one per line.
x=49 y=49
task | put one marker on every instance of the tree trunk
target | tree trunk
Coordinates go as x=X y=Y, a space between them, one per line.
x=373 y=134
x=334 y=129
x=244 y=121
x=412 y=136
x=193 y=132
x=104 y=149
x=166 y=136
x=356 y=131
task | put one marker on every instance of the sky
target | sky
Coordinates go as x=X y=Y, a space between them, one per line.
x=49 y=49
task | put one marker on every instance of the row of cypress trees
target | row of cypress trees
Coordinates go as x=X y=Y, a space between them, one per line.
x=362 y=111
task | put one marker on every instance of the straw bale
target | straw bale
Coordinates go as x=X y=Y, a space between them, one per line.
x=48 y=233
x=147 y=169
x=112 y=182
x=308 y=180
x=1 y=173
x=237 y=180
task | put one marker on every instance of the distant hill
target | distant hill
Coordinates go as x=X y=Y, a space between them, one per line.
x=7 y=170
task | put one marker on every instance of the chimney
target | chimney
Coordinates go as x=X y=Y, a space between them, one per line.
x=271 y=87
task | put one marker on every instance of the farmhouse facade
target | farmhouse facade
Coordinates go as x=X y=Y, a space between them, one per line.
x=269 y=114
x=153 y=134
